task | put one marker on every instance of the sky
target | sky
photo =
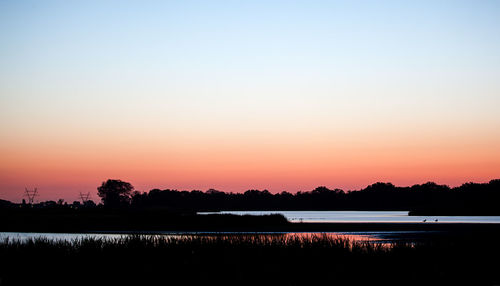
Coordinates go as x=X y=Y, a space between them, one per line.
x=237 y=95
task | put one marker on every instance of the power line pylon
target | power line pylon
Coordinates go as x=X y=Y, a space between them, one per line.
x=84 y=197
x=31 y=194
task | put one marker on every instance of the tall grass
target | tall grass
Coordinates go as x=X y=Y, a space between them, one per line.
x=158 y=242
x=246 y=259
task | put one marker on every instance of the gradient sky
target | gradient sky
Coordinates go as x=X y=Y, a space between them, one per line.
x=233 y=95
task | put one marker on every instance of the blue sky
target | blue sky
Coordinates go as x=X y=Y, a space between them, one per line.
x=94 y=77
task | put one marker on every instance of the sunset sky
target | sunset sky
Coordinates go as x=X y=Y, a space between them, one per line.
x=237 y=95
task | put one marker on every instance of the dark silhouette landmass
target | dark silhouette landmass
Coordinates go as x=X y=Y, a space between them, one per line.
x=250 y=260
x=429 y=199
x=123 y=209
x=130 y=220
x=444 y=254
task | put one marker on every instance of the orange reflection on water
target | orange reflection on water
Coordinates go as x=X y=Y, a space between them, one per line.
x=334 y=235
x=333 y=239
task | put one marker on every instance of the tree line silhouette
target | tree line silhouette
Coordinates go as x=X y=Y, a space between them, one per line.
x=426 y=199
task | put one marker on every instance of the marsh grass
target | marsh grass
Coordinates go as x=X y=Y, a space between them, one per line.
x=246 y=260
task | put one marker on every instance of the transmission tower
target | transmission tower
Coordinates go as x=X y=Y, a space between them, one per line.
x=31 y=194
x=84 y=197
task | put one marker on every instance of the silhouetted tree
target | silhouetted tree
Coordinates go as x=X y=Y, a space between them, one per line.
x=115 y=193
x=89 y=204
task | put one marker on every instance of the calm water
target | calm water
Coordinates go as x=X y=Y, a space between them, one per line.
x=295 y=216
x=366 y=216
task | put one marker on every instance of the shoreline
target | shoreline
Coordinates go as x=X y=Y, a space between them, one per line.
x=305 y=227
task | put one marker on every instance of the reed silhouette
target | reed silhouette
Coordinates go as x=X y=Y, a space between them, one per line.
x=249 y=260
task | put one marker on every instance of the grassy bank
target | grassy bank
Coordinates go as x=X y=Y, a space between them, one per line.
x=101 y=219
x=249 y=260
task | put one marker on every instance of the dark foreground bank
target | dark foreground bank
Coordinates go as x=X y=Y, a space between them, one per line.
x=249 y=260
x=160 y=220
x=129 y=220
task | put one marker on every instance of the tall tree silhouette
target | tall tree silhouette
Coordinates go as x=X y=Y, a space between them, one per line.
x=115 y=193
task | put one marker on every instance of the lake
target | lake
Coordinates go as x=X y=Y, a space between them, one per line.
x=297 y=217
x=365 y=216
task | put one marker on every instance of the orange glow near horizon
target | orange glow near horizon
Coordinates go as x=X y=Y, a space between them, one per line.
x=275 y=163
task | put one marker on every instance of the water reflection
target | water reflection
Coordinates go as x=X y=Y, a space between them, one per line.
x=366 y=216
x=353 y=237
